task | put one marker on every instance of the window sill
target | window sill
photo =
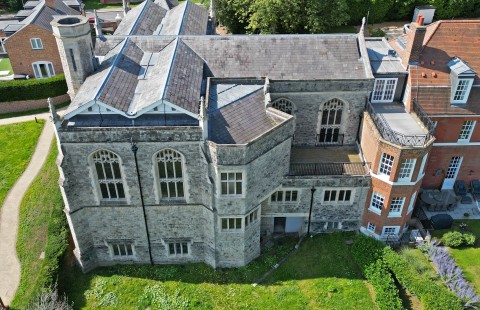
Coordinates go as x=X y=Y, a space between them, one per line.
x=397 y=215
x=172 y=201
x=376 y=211
x=122 y=202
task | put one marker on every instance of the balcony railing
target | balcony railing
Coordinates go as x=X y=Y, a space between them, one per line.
x=427 y=122
x=300 y=169
x=393 y=136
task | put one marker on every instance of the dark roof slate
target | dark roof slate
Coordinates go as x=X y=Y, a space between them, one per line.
x=242 y=121
x=195 y=20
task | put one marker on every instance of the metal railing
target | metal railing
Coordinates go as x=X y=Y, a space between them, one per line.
x=423 y=116
x=393 y=136
x=339 y=140
x=300 y=169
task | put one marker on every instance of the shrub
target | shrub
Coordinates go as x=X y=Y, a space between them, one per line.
x=469 y=239
x=433 y=295
x=453 y=239
x=32 y=89
x=367 y=253
x=50 y=299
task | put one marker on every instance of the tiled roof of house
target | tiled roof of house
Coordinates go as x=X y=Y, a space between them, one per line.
x=445 y=40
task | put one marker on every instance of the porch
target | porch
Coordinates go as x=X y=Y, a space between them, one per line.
x=333 y=160
x=460 y=207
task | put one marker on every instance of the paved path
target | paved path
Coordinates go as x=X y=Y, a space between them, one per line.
x=9 y=263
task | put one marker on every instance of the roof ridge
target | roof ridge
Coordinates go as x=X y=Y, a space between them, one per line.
x=139 y=16
x=187 y=4
x=170 y=69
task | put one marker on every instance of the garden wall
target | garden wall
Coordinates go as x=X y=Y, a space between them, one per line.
x=27 y=105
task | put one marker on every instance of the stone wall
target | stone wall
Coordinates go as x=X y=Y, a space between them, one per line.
x=27 y=105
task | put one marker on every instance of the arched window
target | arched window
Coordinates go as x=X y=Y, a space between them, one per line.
x=330 y=122
x=109 y=176
x=170 y=174
x=283 y=105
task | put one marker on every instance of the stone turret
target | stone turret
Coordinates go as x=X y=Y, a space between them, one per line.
x=76 y=50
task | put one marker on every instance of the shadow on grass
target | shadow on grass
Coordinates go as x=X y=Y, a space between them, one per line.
x=324 y=256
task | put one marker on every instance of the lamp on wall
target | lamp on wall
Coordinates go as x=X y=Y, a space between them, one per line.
x=470 y=172
x=438 y=172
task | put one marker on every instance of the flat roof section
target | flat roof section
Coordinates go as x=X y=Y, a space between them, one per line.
x=398 y=119
x=383 y=58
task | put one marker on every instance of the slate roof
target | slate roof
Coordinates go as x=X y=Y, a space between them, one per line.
x=144 y=19
x=241 y=121
x=443 y=41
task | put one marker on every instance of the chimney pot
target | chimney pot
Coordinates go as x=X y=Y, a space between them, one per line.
x=421 y=19
x=434 y=74
x=432 y=62
x=424 y=75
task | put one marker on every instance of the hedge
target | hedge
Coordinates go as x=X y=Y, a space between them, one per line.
x=32 y=89
x=433 y=295
x=367 y=253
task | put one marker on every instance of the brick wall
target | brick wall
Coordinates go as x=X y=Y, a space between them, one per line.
x=27 y=105
x=22 y=55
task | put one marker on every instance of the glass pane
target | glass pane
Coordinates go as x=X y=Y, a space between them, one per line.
x=178 y=248
x=231 y=176
x=180 y=189
x=238 y=223
x=223 y=176
x=38 y=74
x=231 y=223
x=115 y=250
x=171 y=248
x=331 y=118
x=171 y=187
x=274 y=197
x=178 y=169
x=121 y=192
x=246 y=221
x=43 y=69
x=336 y=132
x=231 y=188
x=161 y=170
x=224 y=224
x=347 y=195
x=239 y=176
x=338 y=118
x=239 y=188
x=224 y=188
x=328 y=136
x=333 y=195
x=341 y=195
x=288 y=196
x=50 y=69
x=169 y=170
x=325 y=117
x=322 y=135
x=164 y=190
x=116 y=171
x=294 y=196
x=113 y=192
x=129 y=249
x=108 y=171
x=280 y=196
x=99 y=168
x=104 y=190
x=326 y=196
x=123 y=251
x=184 y=248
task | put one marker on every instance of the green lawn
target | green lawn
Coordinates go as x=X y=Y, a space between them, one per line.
x=469 y=257
x=96 y=4
x=5 y=65
x=42 y=228
x=321 y=275
x=17 y=143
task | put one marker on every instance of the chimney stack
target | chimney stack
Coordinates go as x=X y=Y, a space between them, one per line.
x=414 y=42
x=72 y=33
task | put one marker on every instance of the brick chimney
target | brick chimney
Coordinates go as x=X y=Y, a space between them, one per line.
x=51 y=3
x=414 y=42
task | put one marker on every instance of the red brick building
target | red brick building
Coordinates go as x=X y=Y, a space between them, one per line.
x=32 y=48
x=444 y=82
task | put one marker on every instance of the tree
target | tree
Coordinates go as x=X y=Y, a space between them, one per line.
x=234 y=14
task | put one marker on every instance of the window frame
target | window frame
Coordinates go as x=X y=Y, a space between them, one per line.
x=220 y=183
x=50 y=70
x=382 y=98
x=395 y=228
x=398 y=202
x=97 y=181
x=331 y=131
x=251 y=218
x=378 y=198
x=386 y=166
x=181 y=244
x=465 y=136
x=411 y=205
x=337 y=195
x=407 y=164
x=370 y=226
x=467 y=90
x=285 y=105
x=228 y=220
x=112 y=243
x=421 y=171
x=283 y=195
x=159 y=180
x=36 y=46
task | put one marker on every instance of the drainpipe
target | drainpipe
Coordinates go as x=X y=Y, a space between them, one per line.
x=313 y=189
x=134 y=150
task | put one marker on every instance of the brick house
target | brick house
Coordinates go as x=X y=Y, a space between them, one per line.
x=444 y=82
x=31 y=47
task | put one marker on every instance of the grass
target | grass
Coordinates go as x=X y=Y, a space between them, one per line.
x=321 y=275
x=5 y=65
x=42 y=222
x=96 y=5
x=468 y=258
x=17 y=143
x=33 y=112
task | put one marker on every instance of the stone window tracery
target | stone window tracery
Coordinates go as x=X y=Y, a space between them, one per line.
x=330 y=122
x=284 y=105
x=170 y=174
x=109 y=175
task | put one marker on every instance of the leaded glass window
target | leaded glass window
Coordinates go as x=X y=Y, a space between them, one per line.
x=109 y=175
x=170 y=174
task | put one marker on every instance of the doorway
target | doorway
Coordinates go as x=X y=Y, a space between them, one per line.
x=452 y=172
x=279 y=225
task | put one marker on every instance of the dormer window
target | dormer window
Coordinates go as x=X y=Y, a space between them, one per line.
x=461 y=77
